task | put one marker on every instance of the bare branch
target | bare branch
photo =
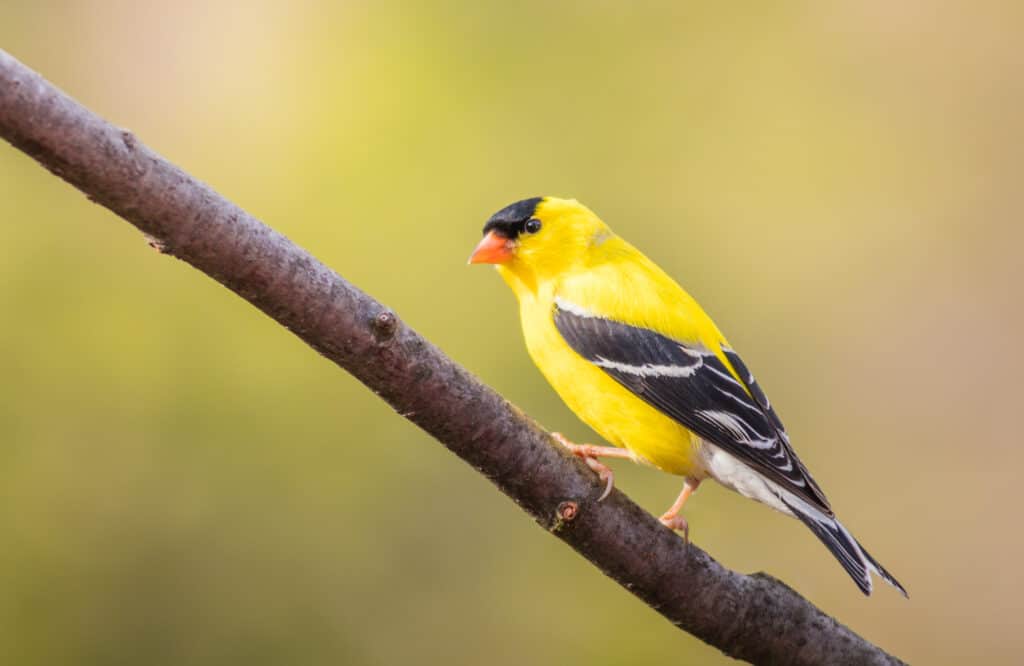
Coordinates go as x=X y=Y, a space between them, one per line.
x=756 y=618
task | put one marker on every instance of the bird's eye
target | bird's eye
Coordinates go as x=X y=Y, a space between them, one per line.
x=532 y=226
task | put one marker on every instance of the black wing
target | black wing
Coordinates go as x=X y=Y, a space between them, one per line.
x=695 y=388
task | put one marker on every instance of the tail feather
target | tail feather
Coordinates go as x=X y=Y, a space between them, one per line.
x=885 y=575
x=854 y=558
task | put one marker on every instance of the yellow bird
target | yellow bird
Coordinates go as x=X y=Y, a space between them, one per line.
x=640 y=362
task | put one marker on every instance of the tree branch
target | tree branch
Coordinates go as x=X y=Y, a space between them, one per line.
x=756 y=618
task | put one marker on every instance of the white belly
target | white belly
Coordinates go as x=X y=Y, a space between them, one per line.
x=733 y=474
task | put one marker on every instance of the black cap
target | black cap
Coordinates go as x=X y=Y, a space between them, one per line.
x=510 y=221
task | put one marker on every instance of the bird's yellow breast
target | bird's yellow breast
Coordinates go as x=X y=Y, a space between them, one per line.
x=602 y=403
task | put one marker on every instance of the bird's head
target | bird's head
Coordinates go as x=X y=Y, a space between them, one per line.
x=536 y=239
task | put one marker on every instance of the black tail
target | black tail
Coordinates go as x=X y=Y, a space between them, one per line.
x=857 y=561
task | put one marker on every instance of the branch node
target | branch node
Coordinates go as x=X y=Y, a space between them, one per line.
x=157 y=244
x=384 y=326
x=566 y=512
x=128 y=139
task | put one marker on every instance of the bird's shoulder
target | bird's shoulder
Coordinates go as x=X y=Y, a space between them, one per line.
x=625 y=286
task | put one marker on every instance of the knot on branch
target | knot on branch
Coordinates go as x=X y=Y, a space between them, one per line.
x=128 y=139
x=565 y=512
x=384 y=325
x=157 y=244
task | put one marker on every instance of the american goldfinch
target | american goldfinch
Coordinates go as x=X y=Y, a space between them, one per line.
x=638 y=360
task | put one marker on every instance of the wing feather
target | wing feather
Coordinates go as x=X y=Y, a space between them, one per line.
x=693 y=386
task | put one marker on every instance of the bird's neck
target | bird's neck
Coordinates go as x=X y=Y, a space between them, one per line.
x=520 y=279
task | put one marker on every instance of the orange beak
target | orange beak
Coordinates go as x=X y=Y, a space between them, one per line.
x=493 y=249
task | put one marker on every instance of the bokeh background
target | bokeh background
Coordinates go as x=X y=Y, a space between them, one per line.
x=183 y=482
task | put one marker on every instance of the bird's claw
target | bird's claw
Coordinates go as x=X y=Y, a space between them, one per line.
x=605 y=473
x=586 y=453
x=678 y=524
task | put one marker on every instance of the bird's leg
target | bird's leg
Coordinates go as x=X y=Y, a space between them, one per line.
x=590 y=453
x=671 y=518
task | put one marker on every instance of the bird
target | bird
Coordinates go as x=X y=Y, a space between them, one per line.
x=637 y=359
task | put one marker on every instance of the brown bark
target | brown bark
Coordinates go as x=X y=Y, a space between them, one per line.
x=756 y=618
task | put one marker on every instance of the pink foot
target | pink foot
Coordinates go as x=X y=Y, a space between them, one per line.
x=676 y=523
x=588 y=453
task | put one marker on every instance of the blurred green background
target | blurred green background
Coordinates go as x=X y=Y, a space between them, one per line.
x=183 y=482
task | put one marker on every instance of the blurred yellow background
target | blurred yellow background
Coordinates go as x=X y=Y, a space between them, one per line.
x=183 y=482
